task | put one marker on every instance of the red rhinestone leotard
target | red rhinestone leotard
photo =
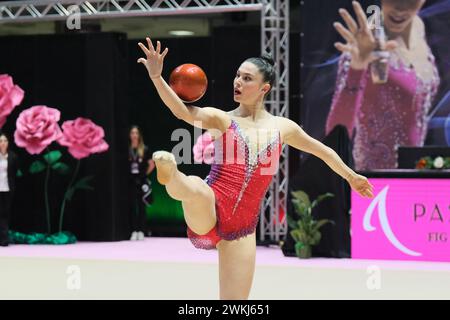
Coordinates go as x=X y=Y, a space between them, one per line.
x=239 y=180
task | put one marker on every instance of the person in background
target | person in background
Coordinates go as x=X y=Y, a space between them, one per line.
x=139 y=189
x=8 y=172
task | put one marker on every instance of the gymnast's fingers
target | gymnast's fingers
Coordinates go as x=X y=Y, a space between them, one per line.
x=144 y=49
x=158 y=47
x=150 y=45
x=163 y=55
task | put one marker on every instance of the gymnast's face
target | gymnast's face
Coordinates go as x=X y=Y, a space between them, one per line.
x=3 y=144
x=249 y=85
x=399 y=14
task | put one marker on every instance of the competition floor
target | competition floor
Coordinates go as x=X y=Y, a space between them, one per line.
x=171 y=268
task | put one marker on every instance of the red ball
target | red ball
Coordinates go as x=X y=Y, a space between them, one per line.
x=189 y=82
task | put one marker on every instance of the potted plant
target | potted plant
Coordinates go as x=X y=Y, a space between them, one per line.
x=305 y=230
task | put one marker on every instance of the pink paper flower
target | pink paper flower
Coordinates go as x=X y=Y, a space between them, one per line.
x=83 y=137
x=204 y=149
x=10 y=96
x=36 y=128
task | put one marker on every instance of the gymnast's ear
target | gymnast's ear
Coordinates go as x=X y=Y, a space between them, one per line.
x=266 y=88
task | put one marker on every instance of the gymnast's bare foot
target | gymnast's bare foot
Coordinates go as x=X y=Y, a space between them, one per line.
x=166 y=166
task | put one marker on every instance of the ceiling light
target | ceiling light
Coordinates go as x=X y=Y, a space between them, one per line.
x=181 y=33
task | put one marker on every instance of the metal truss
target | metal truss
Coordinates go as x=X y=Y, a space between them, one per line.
x=46 y=10
x=274 y=40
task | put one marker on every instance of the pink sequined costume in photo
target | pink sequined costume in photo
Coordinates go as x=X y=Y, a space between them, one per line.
x=239 y=180
x=384 y=116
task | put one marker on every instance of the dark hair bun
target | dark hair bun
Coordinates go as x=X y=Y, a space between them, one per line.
x=268 y=58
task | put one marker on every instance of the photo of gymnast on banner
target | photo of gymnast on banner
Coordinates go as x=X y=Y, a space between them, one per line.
x=381 y=70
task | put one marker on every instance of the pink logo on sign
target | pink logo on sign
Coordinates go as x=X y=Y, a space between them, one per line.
x=408 y=219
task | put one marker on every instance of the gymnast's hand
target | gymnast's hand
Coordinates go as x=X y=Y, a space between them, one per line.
x=361 y=185
x=155 y=59
x=360 y=40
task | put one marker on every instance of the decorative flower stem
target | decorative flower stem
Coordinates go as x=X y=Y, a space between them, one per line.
x=63 y=205
x=47 y=206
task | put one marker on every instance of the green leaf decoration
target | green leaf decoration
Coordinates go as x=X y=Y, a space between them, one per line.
x=301 y=207
x=291 y=222
x=302 y=197
x=37 y=166
x=69 y=194
x=447 y=163
x=19 y=173
x=59 y=238
x=321 y=223
x=316 y=238
x=320 y=198
x=61 y=168
x=86 y=188
x=52 y=157
x=304 y=237
x=83 y=183
x=296 y=234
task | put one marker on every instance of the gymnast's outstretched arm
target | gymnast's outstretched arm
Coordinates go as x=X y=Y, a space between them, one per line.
x=206 y=118
x=296 y=137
